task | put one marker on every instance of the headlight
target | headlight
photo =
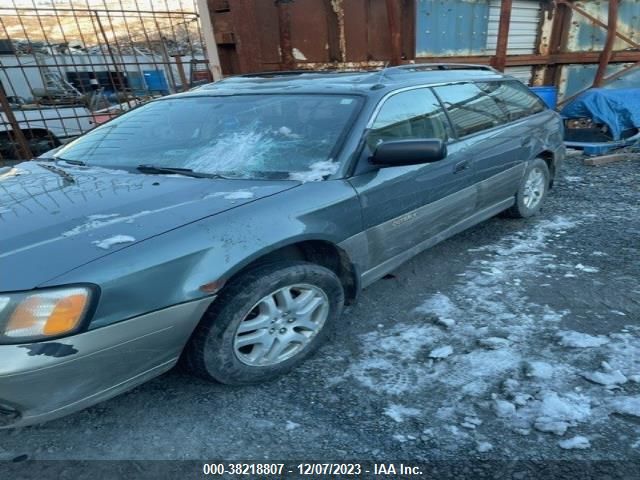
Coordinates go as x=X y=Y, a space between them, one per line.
x=42 y=314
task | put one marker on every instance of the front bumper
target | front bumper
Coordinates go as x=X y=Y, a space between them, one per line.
x=46 y=380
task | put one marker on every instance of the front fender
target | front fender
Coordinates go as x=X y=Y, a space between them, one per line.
x=172 y=268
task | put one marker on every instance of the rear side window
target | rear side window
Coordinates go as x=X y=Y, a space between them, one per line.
x=514 y=97
x=406 y=115
x=471 y=110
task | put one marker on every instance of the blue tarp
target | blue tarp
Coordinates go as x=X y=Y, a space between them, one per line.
x=618 y=108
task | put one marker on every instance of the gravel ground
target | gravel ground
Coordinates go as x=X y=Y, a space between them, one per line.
x=513 y=340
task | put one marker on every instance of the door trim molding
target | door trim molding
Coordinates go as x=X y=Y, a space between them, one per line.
x=373 y=274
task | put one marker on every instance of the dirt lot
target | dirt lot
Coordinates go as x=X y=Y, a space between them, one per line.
x=513 y=340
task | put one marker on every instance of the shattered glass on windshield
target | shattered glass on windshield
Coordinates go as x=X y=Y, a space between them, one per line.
x=244 y=136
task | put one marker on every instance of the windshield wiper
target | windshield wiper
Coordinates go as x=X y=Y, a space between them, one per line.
x=153 y=169
x=70 y=162
x=66 y=177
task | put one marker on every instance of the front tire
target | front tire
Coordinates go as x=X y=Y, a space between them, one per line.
x=532 y=191
x=265 y=322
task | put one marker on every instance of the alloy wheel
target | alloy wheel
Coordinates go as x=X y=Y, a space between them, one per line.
x=280 y=325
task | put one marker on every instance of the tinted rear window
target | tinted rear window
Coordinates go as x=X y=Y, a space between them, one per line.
x=514 y=97
x=471 y=110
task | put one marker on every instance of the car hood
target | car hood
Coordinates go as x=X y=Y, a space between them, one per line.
x=54 y=218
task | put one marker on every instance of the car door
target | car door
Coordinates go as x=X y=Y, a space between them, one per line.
x=483 y=123
x=406 y=208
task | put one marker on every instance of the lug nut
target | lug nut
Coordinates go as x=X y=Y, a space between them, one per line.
x=283 y=330
x=271 y=330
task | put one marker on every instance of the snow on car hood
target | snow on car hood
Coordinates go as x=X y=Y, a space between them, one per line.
x=54 y=218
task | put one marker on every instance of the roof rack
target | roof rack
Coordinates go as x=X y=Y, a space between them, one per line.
x=443 y=66
x=283 y=73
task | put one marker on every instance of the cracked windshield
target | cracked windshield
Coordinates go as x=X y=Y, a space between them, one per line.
x=244 y=136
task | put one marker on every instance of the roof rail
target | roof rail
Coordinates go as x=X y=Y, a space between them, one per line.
x=444 y=66
x=283 y=73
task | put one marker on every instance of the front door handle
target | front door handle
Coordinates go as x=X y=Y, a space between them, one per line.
x=461 y=166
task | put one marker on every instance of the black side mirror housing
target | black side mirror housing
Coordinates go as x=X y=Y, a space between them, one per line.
x=396 y=153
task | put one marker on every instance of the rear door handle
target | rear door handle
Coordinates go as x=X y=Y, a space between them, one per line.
x=525 y=141
x=461 y=166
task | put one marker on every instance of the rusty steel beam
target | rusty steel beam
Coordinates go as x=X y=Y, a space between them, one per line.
x=15 y=134
x=598 y=22
x=620 y=73
x=246 y=31
x=181 y=73
x=287 y=59
x=500 y=59
x=393 y=17
x=607 y=51
x=333 y=32
x=107 y=44
x=566 y=58
x=558 y=39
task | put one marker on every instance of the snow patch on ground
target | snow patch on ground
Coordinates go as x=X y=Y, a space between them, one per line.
x=571 y=178
x=555 y=413
x=291 y=425
x=493 y=343
x=107 y=243
x=484 y=447
x=577 y=442
x=502 y=408
x=608 y=379
x=441 y=352
x=580 y=340
x=586 y=269
x=538 y=369
x=399 y=412
x=626 y=405
x=514 y=367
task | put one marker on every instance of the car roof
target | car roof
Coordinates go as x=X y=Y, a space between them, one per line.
x=371 y=83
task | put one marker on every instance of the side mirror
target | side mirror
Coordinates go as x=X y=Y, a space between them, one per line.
x=396 y=153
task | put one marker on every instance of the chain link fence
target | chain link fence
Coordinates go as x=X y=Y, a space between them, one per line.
x=69 y=65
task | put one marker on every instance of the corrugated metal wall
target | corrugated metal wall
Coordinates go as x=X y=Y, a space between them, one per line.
x=470 y=27
x=584 y=36
x=523 y=32
x=451 y=27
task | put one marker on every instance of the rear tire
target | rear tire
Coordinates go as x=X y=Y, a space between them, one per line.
x=265 y=322
x=532 y=191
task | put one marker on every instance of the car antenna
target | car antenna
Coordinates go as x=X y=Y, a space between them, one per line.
x=381 y=74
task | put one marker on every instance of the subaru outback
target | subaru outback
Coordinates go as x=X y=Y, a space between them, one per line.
x=227 y=227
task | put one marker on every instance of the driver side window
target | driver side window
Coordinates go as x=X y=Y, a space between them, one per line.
x=409 y=115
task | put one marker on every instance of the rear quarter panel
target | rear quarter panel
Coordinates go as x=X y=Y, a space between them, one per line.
x=547 y=133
